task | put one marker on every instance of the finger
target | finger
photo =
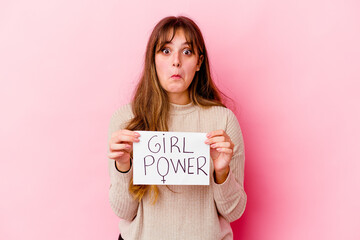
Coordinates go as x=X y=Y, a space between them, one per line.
x=215 y=140
x=114 y=155
x=224 y=150
x=123 y=135
x=124 y=138
x=219 y=132
x=125 y=132
x=122 y=146
x=221 y=145
x=130 y=133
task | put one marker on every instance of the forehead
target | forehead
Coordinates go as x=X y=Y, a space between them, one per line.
x=168 y=35
x=171 y=33
x=179 y=36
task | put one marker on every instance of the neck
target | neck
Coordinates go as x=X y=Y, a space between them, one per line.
x=180 y=99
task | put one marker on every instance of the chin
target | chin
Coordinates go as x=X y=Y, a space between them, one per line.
x=176 y=90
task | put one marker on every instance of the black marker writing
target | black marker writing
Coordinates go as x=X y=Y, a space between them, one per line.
x=177 y=165
x=164 y=142
x=200 y=168
x=167 y=157
x=174 y=144
x=146 y=165
x=184 y=151
x=167 y=168
x=189 y=166
x=156 y=145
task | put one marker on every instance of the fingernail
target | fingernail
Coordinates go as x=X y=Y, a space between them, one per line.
x=137 y=134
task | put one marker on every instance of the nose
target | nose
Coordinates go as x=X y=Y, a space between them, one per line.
x=176 y=60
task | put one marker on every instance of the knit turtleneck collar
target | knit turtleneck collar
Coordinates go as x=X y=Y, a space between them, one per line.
x=176 y=109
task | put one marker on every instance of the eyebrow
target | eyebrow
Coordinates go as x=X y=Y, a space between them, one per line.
x=185 y=43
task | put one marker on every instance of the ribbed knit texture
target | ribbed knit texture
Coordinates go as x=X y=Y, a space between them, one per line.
x=184 y=212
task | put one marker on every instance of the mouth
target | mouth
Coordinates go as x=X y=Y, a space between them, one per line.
x=176 y=76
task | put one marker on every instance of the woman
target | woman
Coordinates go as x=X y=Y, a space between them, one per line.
x=176 y=93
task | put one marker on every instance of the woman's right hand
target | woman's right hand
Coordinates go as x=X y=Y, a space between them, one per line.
x=121 y=144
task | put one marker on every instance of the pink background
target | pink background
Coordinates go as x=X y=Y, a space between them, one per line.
x=291 y=67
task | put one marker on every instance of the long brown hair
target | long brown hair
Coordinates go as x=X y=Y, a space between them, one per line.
x=150 y=103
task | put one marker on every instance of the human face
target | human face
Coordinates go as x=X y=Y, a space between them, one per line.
x=176 y=64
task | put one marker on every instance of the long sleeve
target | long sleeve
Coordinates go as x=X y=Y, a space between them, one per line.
x=121 y=201
x=180 y=208
x=230 y=197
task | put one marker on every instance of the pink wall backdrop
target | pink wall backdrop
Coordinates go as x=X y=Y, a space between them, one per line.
x=291 y=67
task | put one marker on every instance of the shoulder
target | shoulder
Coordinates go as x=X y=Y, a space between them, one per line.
x=123 y=110
x=122 y=116
x=218 y=117
x=222 y=112
x=225 y=116
x=230 y=124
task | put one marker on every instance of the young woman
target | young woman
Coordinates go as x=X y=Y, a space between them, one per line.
x=176 y=93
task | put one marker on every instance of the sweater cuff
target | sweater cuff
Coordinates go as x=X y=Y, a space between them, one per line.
x=122 y=171
x=225 y=191
x=121 y=177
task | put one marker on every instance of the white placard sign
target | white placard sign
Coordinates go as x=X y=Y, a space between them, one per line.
x=171 y=158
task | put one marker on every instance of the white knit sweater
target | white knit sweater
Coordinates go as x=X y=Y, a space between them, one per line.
x=185 y=212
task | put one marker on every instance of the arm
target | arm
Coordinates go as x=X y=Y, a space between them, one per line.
x=229 y=194
x=121 y=201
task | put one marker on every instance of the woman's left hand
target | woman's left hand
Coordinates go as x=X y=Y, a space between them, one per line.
x=221 y=151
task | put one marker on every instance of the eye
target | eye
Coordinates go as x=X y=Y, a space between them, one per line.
x=165 y=50
x=187 y=52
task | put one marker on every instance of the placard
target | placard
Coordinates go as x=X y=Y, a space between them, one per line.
x=171 y=158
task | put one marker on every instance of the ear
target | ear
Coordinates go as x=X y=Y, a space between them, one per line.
x=201 y=58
